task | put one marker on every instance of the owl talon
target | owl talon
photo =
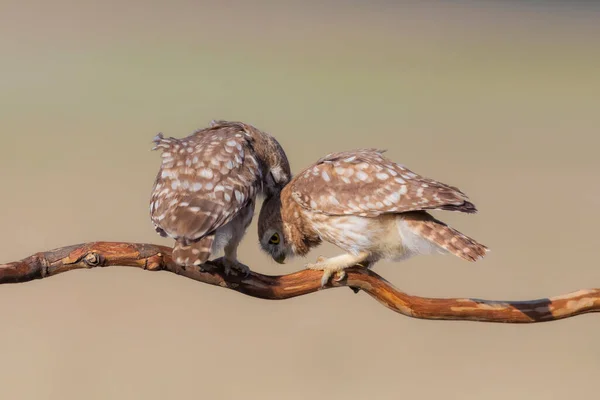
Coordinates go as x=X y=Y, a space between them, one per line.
x=235 y=268
x=325 y=278
x=340 y=276
x=328 y=272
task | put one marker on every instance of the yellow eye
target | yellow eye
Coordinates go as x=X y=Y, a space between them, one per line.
x=274 y=239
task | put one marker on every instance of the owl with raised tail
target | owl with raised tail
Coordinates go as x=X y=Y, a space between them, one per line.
x=369 y=206
x=206 y=188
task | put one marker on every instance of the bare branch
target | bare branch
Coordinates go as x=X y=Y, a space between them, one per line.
x=155 y=258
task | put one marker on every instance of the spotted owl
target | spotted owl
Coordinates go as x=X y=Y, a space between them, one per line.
x=372 y=208
x=207 y=185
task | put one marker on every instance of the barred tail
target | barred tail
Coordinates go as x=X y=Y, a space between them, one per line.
x=192 y=253
x=448 y=238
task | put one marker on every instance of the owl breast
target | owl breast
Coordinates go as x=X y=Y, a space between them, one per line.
x=386 y=236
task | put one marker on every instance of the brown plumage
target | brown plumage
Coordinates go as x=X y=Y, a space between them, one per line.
x=205 y=190
x=444 y=236
x=367 y=205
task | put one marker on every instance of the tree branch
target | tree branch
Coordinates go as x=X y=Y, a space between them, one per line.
x=155 y=258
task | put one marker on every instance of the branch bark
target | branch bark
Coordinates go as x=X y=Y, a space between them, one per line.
x=156 y=258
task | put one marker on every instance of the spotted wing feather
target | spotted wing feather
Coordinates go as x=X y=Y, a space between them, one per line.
x=364 y=182
x=203 y=182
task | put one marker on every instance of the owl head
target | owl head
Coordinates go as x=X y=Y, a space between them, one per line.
x=271 y=230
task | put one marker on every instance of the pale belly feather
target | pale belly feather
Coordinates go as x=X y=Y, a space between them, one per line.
x=384 y=237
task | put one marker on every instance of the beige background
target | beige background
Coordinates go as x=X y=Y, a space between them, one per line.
x=499 y=100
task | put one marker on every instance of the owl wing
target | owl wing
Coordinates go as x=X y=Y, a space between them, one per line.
x=203 y=182
x=365 y=183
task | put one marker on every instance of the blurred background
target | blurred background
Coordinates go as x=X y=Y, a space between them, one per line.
x=499 y=98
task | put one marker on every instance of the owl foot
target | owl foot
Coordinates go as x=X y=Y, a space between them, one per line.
x=235 y=267
x=328 y=271
x=337 y=265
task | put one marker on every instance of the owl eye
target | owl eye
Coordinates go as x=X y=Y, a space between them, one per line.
x=274 y=239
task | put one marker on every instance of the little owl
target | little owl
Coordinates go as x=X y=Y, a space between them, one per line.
x=367 y=205
x=207 y=185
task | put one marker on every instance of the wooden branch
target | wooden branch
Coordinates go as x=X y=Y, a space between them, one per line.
x=155 y=258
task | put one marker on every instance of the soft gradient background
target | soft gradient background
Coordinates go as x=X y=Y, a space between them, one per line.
x=498 y=99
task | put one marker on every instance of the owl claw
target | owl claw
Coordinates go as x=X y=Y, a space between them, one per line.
x=328 y=272
x=235 y=268
x=325 y=278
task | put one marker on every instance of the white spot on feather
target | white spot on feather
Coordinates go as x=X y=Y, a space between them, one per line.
x=362 y=176
x=206 y=173
x=394 y=197
x=239 y=196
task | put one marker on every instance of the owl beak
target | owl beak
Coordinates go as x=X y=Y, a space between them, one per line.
x=280 y=259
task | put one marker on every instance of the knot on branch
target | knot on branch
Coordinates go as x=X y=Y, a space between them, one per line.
x=155 y=258
x=93 y=259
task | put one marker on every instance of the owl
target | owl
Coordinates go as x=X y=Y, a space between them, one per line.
x=372 y=208
x=205 y=191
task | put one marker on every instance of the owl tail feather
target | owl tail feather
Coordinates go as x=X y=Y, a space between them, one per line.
x=448 y=238
x=160 y=142
x=192 y=253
